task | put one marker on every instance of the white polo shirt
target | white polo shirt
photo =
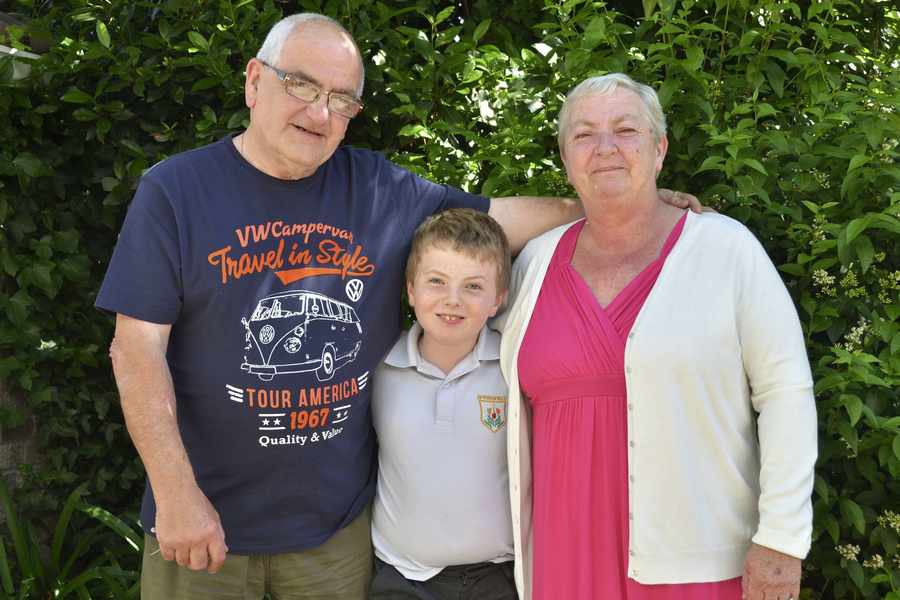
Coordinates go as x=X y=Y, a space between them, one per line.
x=442 y=496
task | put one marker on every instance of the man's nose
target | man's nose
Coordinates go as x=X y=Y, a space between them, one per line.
x=318 y=110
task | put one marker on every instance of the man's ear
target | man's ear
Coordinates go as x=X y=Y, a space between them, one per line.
x=251 y=83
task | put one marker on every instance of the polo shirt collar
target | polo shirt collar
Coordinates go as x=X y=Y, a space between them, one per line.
x=405 y=353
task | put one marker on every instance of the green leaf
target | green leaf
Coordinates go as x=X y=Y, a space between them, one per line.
x=59 y=533
x=857 y=161
x=103 y=34
x=29 y=164
x=18 y=307
x=481 y=29
x=205 y=84
x=832 y=526
x=755 y=165
x=5 y=575
x=84 y=114
x=854 y=406
x=853 y=514
x=24 y=555
x=198 y=40
x=76 y=96
x=710 y=163
x=694 y=60
x=444 y=15
x=776 y=77
x=857 y=226
x=896 y=446
x=854 y=569
x=594 y=33
x=821 y=488
x=133 y=538
x=865 y=251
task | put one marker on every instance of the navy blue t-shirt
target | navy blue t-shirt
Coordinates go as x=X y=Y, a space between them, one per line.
x=284 y=297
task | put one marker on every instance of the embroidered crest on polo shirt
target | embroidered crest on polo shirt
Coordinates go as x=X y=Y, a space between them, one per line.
x=493 y=412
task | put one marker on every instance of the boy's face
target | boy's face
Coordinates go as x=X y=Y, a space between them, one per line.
x=453 y=295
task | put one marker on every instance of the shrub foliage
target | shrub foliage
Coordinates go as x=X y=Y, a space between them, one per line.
x=782 y=114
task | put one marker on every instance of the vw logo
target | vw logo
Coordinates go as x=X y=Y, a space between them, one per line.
x=266 y=334
x=354 y=289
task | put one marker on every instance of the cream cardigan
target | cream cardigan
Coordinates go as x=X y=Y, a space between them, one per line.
x=721 y=415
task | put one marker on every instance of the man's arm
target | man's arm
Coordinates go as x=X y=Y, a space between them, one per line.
x=187 y=525
x=526 y=217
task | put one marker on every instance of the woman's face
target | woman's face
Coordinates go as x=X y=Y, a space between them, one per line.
x=609 y=149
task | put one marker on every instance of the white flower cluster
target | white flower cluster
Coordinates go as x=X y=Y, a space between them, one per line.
x=855 y=337
x=848 y=551
x=824 y=281
x=889 y=520
x=818 y=229
x=876 y=562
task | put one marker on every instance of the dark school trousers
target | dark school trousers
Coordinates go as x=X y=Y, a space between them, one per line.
x=480 y=581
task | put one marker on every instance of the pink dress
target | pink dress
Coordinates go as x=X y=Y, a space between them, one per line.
x=571 y=366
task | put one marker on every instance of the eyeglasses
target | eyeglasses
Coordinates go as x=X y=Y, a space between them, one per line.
x=307 y=91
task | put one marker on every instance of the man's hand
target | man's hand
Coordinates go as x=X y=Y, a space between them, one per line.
x=189 y=531
x=682 y=200
x=187 y=526
x=770 y=575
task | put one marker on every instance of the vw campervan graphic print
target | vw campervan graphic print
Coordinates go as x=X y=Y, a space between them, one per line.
x=295 y=332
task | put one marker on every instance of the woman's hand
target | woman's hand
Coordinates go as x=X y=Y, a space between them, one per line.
x=770 y=575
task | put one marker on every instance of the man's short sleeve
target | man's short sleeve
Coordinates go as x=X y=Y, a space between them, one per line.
x=456 y=198
x=143 y=279
x=427 y=195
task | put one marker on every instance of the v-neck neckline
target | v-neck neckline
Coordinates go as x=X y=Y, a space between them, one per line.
x=672 y=237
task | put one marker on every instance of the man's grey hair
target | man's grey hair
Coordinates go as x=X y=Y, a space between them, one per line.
x=270 y=51
x=607 y=84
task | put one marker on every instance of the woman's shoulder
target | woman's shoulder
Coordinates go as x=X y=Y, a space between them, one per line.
x=718 y=229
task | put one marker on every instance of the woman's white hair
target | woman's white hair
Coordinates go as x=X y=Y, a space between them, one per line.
x=270 y=51
x=607 y=84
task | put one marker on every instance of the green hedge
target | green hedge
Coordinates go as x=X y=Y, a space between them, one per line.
x=782 y=114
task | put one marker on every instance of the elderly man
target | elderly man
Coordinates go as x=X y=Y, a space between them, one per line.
x=257 y=280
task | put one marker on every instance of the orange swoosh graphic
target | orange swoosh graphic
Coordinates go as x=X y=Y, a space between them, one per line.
x=292 y=275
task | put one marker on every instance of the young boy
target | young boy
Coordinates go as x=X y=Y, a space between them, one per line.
x=441 y=519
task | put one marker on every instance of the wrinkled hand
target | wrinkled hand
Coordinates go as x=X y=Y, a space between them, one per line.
x=770 y=575
x=189 y=531
x=683 y=200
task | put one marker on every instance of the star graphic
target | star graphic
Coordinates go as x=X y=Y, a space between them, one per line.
x=265 y=421
x=277 y=422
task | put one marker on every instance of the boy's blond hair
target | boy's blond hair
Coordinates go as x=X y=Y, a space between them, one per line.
x=467 y=231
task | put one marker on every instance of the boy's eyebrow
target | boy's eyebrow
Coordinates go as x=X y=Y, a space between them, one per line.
x=303 y=76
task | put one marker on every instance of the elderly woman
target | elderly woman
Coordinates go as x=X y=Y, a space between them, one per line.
x=672 y=433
